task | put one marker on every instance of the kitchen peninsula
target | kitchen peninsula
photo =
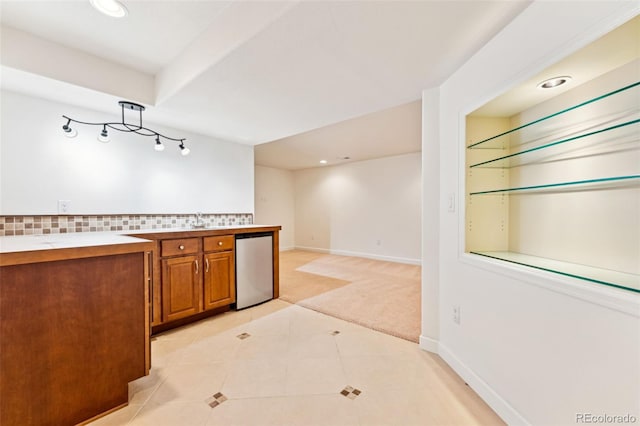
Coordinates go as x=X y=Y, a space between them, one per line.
x=76 y=312
x=73 y=325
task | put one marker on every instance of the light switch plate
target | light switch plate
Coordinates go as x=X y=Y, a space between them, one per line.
x=451 y=203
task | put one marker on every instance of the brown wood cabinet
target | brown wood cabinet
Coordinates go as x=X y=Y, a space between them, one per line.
x=181 y=288
x=219 y=282
x=73 y=331
x=197 y=275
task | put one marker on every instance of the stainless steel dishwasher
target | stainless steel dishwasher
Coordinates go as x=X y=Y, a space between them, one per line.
x=254 y=269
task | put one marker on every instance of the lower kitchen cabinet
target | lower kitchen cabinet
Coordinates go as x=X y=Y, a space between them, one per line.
x=197 y=276
x=219 y=282
x=181 y=287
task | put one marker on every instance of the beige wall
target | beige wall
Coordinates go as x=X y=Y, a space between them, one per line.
x=367 y=208
x=274 y=202
x=487 y=218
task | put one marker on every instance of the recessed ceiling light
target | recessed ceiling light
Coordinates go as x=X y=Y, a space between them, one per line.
x=111 y=8
x=554 y=82
x=323 y=161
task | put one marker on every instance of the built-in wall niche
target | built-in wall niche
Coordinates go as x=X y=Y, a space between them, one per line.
x=556 y=186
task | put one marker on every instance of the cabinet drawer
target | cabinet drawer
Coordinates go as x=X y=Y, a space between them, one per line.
x=178 y=247
x=218 y=243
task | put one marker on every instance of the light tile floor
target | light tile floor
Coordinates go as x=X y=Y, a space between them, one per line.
x=289 y=368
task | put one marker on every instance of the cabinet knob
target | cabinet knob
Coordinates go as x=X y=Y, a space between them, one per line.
x=219 y=243
x=181 y=247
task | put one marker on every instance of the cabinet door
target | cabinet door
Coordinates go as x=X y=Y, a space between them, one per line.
x=181 y=287
x=219 y=282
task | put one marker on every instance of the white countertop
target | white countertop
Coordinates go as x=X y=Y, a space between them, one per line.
x=22 y=243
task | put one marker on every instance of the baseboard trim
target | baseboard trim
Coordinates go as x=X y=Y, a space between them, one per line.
x=408 y=261
x=287 y=248
x=313 y=249
x=428 y=344
x=482 y=388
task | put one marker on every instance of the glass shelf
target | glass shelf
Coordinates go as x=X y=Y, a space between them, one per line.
x=602 y=183
x=483 y=144
x=516 y=158
x=608 y=277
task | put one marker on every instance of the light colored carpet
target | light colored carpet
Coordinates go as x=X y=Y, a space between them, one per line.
x=296 y=285
x=384 y=296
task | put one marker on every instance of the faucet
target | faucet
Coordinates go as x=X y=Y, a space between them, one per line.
x=199 y=222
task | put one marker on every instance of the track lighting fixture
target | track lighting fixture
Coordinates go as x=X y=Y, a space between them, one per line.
x=104 y=136
x=183 y=149
x=159 y=146
x=68 y=131
x=123 y=126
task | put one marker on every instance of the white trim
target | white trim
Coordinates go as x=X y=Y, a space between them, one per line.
x=428 y=344
x=313 y=249
x=619 y=300
x=506 y=412
x=363 y=255
x=287 y=248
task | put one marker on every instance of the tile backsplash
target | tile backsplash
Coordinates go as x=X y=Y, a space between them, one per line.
x=32 y=225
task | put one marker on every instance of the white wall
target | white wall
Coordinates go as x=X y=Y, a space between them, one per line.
x=431 y=197
x=538 y=348
x=367 y=208
x=40 y=166
x=553 y=225
x=274 y=202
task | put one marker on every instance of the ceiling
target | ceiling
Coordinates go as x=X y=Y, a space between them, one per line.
x=148 y=39
x=613 y=50
x=397 y=130
x=249 y=71
x=393 y=131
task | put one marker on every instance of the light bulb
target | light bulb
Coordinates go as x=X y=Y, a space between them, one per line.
x=159 y=147
x=183 y=149
x=69 y=132
x=104 y=136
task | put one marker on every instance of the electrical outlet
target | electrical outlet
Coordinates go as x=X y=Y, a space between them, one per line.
x=64 y=206
x=456 y=314
x=378 y=242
